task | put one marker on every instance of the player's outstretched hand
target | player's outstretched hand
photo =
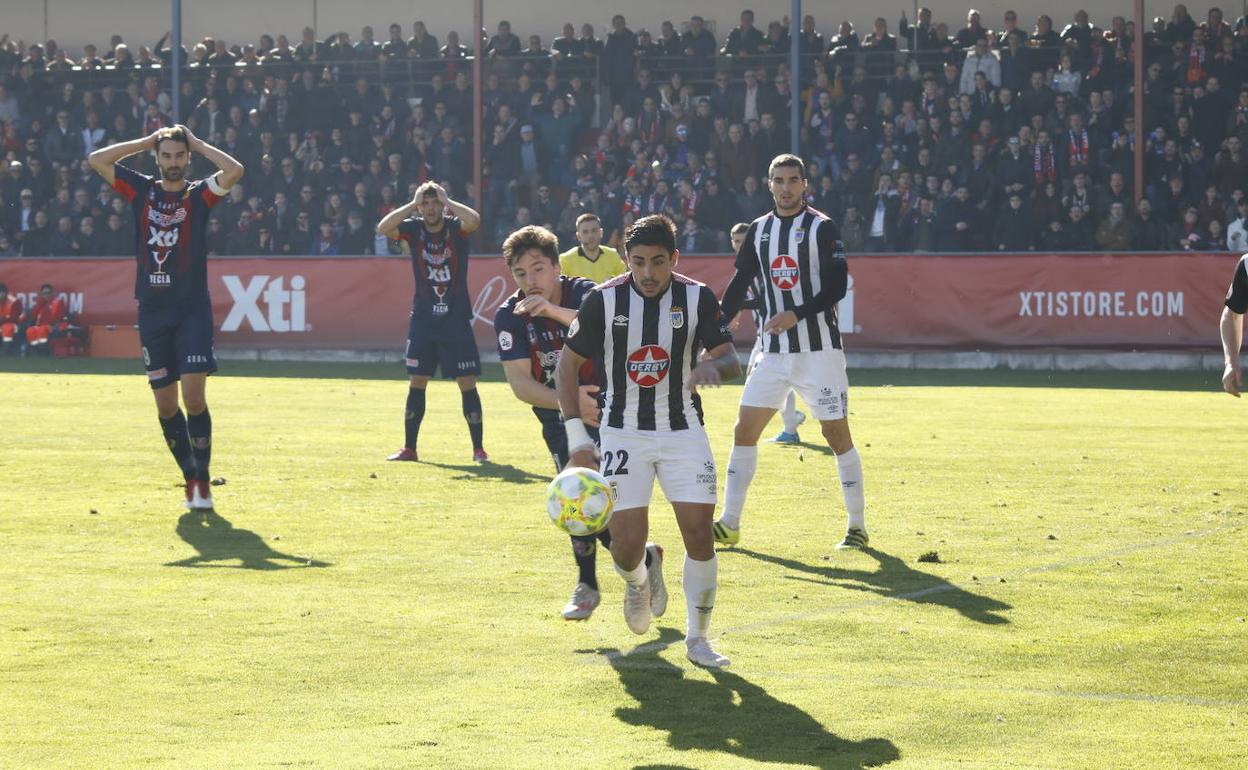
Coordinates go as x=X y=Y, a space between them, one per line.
x=589 y=405
x=1232 y=380
x=583 y=459
x=781 y=322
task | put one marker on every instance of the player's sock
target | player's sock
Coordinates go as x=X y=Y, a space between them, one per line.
x=700 y=580
x=585 y=551
x=179 y=443
x=412 y=415
x=199 y=426
x=742 y=461
x=634 y=577
x=472 y=413
x=849 y=466
x=789 y=414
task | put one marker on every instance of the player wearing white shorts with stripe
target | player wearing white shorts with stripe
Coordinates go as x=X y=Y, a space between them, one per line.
x=797 y=253
x=648 y=327
x=789 y=415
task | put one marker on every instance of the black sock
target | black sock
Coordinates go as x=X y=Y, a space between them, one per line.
x=472 y=413
x=585 y=551
x=199 y=426
x=414 y=413
x=179 y=443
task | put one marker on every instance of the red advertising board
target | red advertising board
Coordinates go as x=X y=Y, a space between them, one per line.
x=902 y=301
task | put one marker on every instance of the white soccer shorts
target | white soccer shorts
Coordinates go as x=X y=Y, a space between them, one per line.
x=818 y=377
x=681 y=460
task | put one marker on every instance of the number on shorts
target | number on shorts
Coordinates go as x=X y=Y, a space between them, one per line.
x=621 y=469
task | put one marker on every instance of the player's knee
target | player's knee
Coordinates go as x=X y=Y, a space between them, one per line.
x=744 y=434
x=466 y=383
x=195 y=403
x=837 y=436
x=419 y=382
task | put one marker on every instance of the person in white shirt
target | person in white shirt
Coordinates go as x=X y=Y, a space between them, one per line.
x=980 y=59
x=1237 y=233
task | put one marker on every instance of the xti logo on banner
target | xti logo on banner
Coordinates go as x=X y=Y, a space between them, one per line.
x=274 y=296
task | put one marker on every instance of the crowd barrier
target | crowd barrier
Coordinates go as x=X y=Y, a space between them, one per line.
x=896 y=301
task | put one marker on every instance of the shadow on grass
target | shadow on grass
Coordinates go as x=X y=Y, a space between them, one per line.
x=217 y=540
x=731 y=715
x=491 y=470
x=895 y=580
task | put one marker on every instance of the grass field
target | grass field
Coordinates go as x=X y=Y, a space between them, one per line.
x=1088 y=609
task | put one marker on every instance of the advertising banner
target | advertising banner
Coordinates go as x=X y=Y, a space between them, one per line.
x=902 y=301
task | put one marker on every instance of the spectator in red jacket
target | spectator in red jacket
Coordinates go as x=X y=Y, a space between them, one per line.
x=50 y=314
x=12 y=314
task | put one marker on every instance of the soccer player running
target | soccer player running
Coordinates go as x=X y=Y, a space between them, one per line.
x=789 y=415
x=1232 y=328
x=171 y=285
x=590 y=259
x=648 y=327
x=531 y=325
x=797 y=253
x=440 y=330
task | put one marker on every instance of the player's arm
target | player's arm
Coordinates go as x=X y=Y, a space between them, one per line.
x=585 y=338
x=833 y=279
x=747 y=268
x=540 y=307
x=104 y=159
x=720 y=361
x=229 y=170
x=389 y=224
x=527 y=389
x=1232 y=328
x=469 y=219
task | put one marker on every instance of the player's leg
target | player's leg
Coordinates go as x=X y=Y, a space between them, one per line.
x=824 y=386
x=196 y=360
x=459 y=356
x=421 y=362
x=791 y=418
x=628 y=464
x=764 y=393
x=686 y=473
x=160 y=361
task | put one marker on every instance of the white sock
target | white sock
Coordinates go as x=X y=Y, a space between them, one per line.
x=849 y=466
x=635 y=576
x=742 y=461
x=700 y=580
x=789 y=413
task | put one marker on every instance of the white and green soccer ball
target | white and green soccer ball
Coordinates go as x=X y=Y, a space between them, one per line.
x=579 y=501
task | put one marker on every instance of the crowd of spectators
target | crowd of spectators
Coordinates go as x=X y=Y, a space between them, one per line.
x=917 y=137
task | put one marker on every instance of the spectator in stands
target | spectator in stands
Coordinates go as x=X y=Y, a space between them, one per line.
x=1147 y=234
x=1014 y=229
x=1114 y=234
x=1237 y=233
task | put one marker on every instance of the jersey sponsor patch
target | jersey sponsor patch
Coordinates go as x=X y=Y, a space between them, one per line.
x=784 y=272
x=505 y=341
x=648 y=365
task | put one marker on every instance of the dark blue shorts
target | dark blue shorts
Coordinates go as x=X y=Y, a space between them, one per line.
x=176 y=341
x=448 y=345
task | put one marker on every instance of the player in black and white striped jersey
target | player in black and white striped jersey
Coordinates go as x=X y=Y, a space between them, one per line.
x=648 y=327
x=797 y=253
x=790 y=416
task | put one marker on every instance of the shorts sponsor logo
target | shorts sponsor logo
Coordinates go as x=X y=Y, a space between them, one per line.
x=412 y=361
x=648 y=365
x=263 y=304
x=678 y=317
x=784 y=272
x=505 y=341
x=707 y=476
x=156 y=374
x=615 y=490
x=196 y=359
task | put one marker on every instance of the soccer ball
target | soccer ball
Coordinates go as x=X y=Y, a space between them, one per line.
x=579 y=501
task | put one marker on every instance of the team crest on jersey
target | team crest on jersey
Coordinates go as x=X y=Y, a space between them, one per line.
x=678 y=317
x=784 y=272
x=799 y=235
x=648 y=365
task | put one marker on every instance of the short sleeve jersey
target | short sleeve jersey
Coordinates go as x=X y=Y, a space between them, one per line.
x=1237 y=294
x=440 y=267
x=539 y=340
x=171 y=252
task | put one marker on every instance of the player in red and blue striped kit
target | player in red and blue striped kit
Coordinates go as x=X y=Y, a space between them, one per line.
x=171 y=285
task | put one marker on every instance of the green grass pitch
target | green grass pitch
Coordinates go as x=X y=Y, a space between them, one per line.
x=1087 y=609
